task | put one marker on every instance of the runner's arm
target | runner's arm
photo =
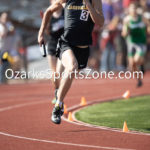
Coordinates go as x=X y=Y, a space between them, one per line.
x=96 y=12
x=58 y=4
x=125 y=30
x=147 y=23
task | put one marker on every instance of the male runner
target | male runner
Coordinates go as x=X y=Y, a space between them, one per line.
x=134 y=28
x=73 y=46
x=55 y=30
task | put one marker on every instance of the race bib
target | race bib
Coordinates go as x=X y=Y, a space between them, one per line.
x=84 y=15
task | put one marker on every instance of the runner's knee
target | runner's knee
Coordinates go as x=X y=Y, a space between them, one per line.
x=72 y=67
x=139 y=61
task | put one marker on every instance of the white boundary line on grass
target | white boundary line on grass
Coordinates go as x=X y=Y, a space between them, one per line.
x=77 y=108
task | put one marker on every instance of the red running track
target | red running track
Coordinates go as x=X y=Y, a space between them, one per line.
x=25 y=111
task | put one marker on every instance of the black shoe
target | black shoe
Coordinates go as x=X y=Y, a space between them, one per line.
x=142 y=69
x=140 y=83
x=56 y=115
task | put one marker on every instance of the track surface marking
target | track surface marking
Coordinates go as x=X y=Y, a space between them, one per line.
x=28 y=125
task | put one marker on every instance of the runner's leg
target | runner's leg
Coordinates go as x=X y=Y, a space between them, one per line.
x=53 y=63
x=139 y=60
x=70 y=64
x=59 y=69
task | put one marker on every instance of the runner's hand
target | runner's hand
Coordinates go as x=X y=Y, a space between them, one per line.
x=40 y=39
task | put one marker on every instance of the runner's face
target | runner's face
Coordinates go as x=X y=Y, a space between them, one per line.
x=4 y=18
x=132 y=10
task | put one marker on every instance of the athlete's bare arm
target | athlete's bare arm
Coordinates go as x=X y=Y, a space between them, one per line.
x=58 y=4
x=125 y=30
x=96 y=12
x=147 y=23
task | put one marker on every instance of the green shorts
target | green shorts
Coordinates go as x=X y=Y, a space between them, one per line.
x=136 y=49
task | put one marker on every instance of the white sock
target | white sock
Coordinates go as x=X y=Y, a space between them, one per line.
x=59 y=103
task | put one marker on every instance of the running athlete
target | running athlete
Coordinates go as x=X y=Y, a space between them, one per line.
x=134 y=28
x=73 y=46
x=55 y=30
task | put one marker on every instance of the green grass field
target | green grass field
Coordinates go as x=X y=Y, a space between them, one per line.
x=135 y=111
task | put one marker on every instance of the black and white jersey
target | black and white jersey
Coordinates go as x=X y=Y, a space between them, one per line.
x=78 y=23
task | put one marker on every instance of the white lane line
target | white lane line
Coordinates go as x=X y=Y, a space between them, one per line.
x=48 y=141
x=61 y=143
x=9 y=101
x=77 y=121
x=22 y=105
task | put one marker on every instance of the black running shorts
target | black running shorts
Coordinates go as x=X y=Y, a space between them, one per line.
x=81 y=54
x=52 y=44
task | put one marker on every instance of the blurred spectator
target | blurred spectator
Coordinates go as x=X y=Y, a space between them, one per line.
x=108 y=10
x=118 y=7
x=14 y=43
x=3 y=44
x=9 y=46
x=94 y=58
x=121 y=48
x=108 y=59
x=121 y=51
x=126 y=3
x=3 y=31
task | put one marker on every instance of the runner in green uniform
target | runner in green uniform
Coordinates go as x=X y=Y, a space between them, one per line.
x=134 y=29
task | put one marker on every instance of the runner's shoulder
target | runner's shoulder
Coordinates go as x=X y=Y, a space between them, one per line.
x=127 y=19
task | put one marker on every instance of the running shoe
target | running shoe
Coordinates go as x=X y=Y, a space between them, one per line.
x=140 y=83
x=142 y=68
x=57 y=113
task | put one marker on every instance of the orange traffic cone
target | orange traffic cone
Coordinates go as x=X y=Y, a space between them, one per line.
x=65 y=109
x=126 y=95
x=70 y=117
x=125 y=127
x=83 y=101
